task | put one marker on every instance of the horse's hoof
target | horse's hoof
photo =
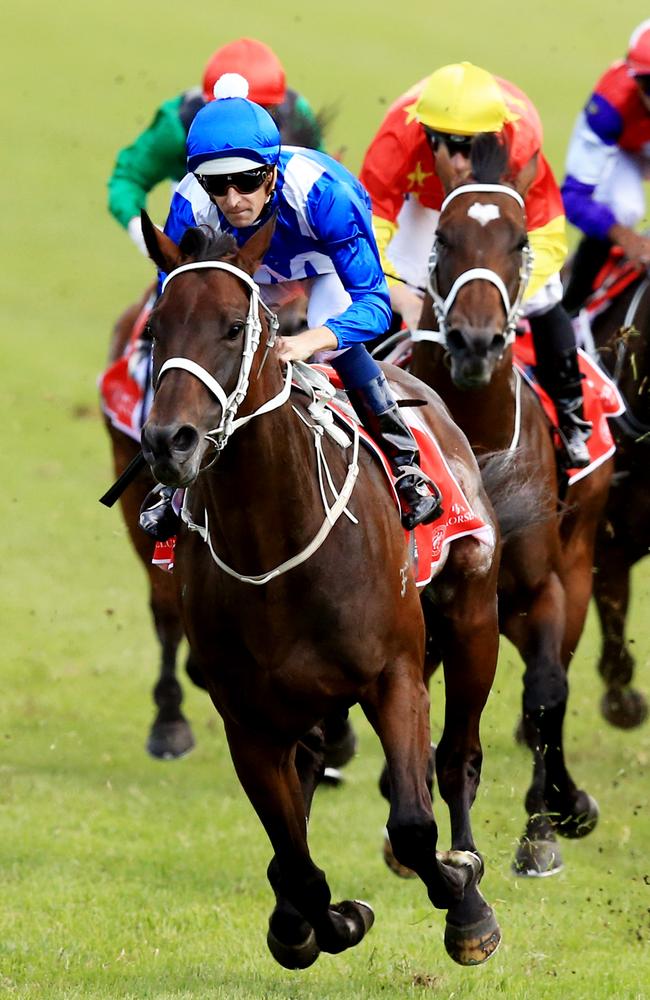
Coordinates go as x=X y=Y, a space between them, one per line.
x=333 y=777
x=170 y=740
x=624 y=708
x=475 y=943
x=359 y=917
x=582 y=821
x=537 y=858
x=398 y=869
x=294 y=956
x=469 y=862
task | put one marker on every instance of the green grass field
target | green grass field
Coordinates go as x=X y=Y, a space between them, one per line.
x=125 y=878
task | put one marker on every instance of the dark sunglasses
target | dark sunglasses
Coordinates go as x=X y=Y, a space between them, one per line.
x=454 y=143
x=244 y=181
x=643 y=81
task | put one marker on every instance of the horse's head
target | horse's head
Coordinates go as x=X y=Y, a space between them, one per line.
x=479 y=265
x=205 y=327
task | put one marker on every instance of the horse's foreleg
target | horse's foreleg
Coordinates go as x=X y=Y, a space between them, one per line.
x=170 y=735
x=622 y=705
x=469 y=636
x=552 y=798
x=270 y=778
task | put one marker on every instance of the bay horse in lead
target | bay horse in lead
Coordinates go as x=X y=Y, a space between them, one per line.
x=477 y=274
x=291 y=615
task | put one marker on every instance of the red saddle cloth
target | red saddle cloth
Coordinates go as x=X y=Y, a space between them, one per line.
x=121 y=391
x=614 y=277
x=428 y=544
x=601 y=401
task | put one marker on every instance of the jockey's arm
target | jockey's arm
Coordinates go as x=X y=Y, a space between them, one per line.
x=156 y=155
x=549 y=246
x=341 y=222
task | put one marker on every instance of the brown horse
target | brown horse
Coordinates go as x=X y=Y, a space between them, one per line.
x=293 y=614
x=477 y=277
x=622 y=338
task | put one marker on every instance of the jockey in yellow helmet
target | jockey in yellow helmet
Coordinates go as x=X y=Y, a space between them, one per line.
x=425 y=138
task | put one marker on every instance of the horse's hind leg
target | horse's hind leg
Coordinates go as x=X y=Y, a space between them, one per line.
x=170 y=735
x=622 y=705
x=269 y=777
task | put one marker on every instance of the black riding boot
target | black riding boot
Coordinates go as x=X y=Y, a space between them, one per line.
x=157 y=516
x=420 y=500
x=588 y=259
x=558 y=372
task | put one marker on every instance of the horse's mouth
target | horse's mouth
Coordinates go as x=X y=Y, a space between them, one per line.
x=172 y=472
x=474 y=373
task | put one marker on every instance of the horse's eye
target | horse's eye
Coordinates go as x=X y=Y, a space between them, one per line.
x=443 y=242
x=521 y=244
x=235 y=331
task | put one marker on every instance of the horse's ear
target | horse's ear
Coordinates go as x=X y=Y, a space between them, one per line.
x=162 y=250
x=526 y=176
x=252 y=252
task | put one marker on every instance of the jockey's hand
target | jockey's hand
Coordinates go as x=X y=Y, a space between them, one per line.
x=635 y=246
x=301 y=346
x=407 y=303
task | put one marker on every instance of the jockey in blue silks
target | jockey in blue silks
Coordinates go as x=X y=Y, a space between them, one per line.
x=238 y=178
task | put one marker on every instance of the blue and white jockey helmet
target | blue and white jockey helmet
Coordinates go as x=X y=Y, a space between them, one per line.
x=231 y=133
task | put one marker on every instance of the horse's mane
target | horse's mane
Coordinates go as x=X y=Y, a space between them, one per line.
x=203 y=243
x=489 y=158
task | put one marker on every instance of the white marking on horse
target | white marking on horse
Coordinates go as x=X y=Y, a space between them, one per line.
x=483 y=213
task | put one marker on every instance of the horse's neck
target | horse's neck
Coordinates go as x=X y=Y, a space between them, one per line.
x=486 y=415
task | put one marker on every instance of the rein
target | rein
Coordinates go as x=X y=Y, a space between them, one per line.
x=229 y=423
x=442 y=306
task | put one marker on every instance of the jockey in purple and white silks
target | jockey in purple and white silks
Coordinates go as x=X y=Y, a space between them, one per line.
x=322 y=244
x=607 y=161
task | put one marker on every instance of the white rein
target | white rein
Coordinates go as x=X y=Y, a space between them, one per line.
x=229 y=423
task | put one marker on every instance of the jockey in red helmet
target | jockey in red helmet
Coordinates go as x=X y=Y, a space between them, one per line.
x=607 y=161
x=427 y=134
x=158 y=153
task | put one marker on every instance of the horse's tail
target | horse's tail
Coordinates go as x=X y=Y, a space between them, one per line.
x=516 y=492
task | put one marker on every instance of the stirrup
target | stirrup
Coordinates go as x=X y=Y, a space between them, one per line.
x=419 y=497
x=157 y=516
x=574 y=453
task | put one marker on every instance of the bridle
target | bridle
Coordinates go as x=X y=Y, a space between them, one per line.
x=230 y=404
x=442 y=306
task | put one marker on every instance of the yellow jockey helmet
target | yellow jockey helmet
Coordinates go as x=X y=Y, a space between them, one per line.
x=462 y=99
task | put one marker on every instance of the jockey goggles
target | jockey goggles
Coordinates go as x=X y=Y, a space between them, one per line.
x=455 y=143
x=244 y=181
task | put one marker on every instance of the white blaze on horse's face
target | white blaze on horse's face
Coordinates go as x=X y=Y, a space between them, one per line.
x=483 y=213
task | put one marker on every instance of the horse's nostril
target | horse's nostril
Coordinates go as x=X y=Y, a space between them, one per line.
x=498 y=342
x=185 y=439
x=455 y=340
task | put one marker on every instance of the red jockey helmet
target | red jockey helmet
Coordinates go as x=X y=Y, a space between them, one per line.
x=253 y=60
x=638 y=52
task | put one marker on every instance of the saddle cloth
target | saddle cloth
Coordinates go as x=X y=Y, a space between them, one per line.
x=601 y=400
x=428 y=544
